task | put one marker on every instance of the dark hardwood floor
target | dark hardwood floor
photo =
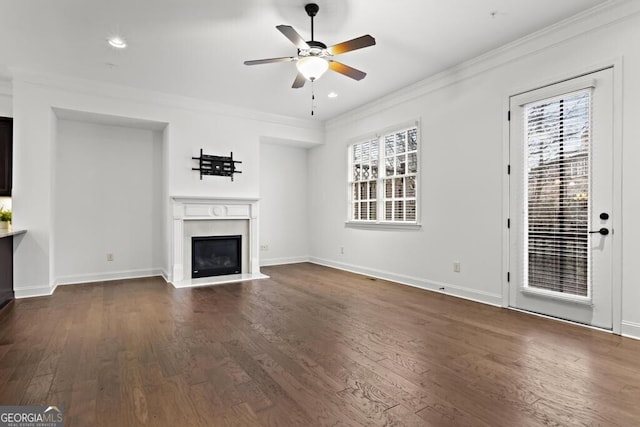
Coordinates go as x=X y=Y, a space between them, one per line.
x=310 y=346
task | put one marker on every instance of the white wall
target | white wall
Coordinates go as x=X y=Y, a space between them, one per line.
x=463 y=117
x=460 y=190
x=284 y=212
x=190 y=125
x=108 y=189
x=6 y=106
x=6 y=101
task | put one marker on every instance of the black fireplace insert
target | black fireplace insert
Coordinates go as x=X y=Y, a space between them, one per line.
x=215 y=255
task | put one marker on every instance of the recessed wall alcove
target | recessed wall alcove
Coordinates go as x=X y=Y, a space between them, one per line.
x=109 y=198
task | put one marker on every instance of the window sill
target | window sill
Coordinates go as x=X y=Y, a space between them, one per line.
x=381 y=225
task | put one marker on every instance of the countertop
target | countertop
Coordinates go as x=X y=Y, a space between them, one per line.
x=8 y=232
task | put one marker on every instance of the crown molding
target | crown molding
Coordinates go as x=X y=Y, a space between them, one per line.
x=159 y=99
x=600 y=16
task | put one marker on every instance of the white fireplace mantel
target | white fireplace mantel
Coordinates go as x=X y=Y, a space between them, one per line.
x=213 y=209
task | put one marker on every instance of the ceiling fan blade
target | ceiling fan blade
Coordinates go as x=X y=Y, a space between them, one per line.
x=299 y=81
x=293 y=35
x=270 y=60
x=339 y=67
x=357 y=43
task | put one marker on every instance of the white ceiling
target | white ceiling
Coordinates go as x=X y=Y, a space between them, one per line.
x=196 y=48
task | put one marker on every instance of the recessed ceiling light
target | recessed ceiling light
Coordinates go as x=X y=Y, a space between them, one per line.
x=332 y=95
x=117 y=42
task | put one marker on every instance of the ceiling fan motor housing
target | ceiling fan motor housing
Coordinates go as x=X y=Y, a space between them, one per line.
x=316 y=48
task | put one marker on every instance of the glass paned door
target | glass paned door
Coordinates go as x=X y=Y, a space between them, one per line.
x=561 y=199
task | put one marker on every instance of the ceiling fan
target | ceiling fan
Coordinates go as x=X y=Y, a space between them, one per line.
x=314 y=57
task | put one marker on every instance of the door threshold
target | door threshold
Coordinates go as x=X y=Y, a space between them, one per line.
x=570 y=322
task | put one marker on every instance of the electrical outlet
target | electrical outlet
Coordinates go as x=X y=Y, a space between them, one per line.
x=342 y=250
x=109 y=257
x=456 y=266
x=264 y=248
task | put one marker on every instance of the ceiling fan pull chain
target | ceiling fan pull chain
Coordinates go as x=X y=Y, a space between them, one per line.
x=313 y=99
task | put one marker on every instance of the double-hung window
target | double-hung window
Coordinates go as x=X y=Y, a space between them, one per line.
x=383 y=179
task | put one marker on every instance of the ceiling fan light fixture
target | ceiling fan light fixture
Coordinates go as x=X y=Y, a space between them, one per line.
x=312 y=67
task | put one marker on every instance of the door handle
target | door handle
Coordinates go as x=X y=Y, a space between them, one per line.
x=603 y=231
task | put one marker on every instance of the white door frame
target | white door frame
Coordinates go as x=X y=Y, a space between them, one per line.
x=616 y=211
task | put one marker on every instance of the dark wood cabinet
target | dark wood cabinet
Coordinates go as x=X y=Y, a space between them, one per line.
x=6 y=155
x=6 y=270
x=6 y=264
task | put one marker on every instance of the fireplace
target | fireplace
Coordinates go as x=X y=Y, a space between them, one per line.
x=211 y=216
x=216 y=255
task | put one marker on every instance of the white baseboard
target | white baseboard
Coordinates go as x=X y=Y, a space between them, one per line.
x=32 y=292
x=280 y=261
x=165 y=275
x=429 y=285
x=112 y=275
x=630 y=330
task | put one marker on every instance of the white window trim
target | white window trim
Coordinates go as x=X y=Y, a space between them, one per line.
x=381 y=224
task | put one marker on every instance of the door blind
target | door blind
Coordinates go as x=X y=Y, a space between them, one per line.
x=558 y=138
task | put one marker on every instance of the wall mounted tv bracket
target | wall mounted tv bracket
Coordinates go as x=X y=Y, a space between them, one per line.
x=216 y=165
